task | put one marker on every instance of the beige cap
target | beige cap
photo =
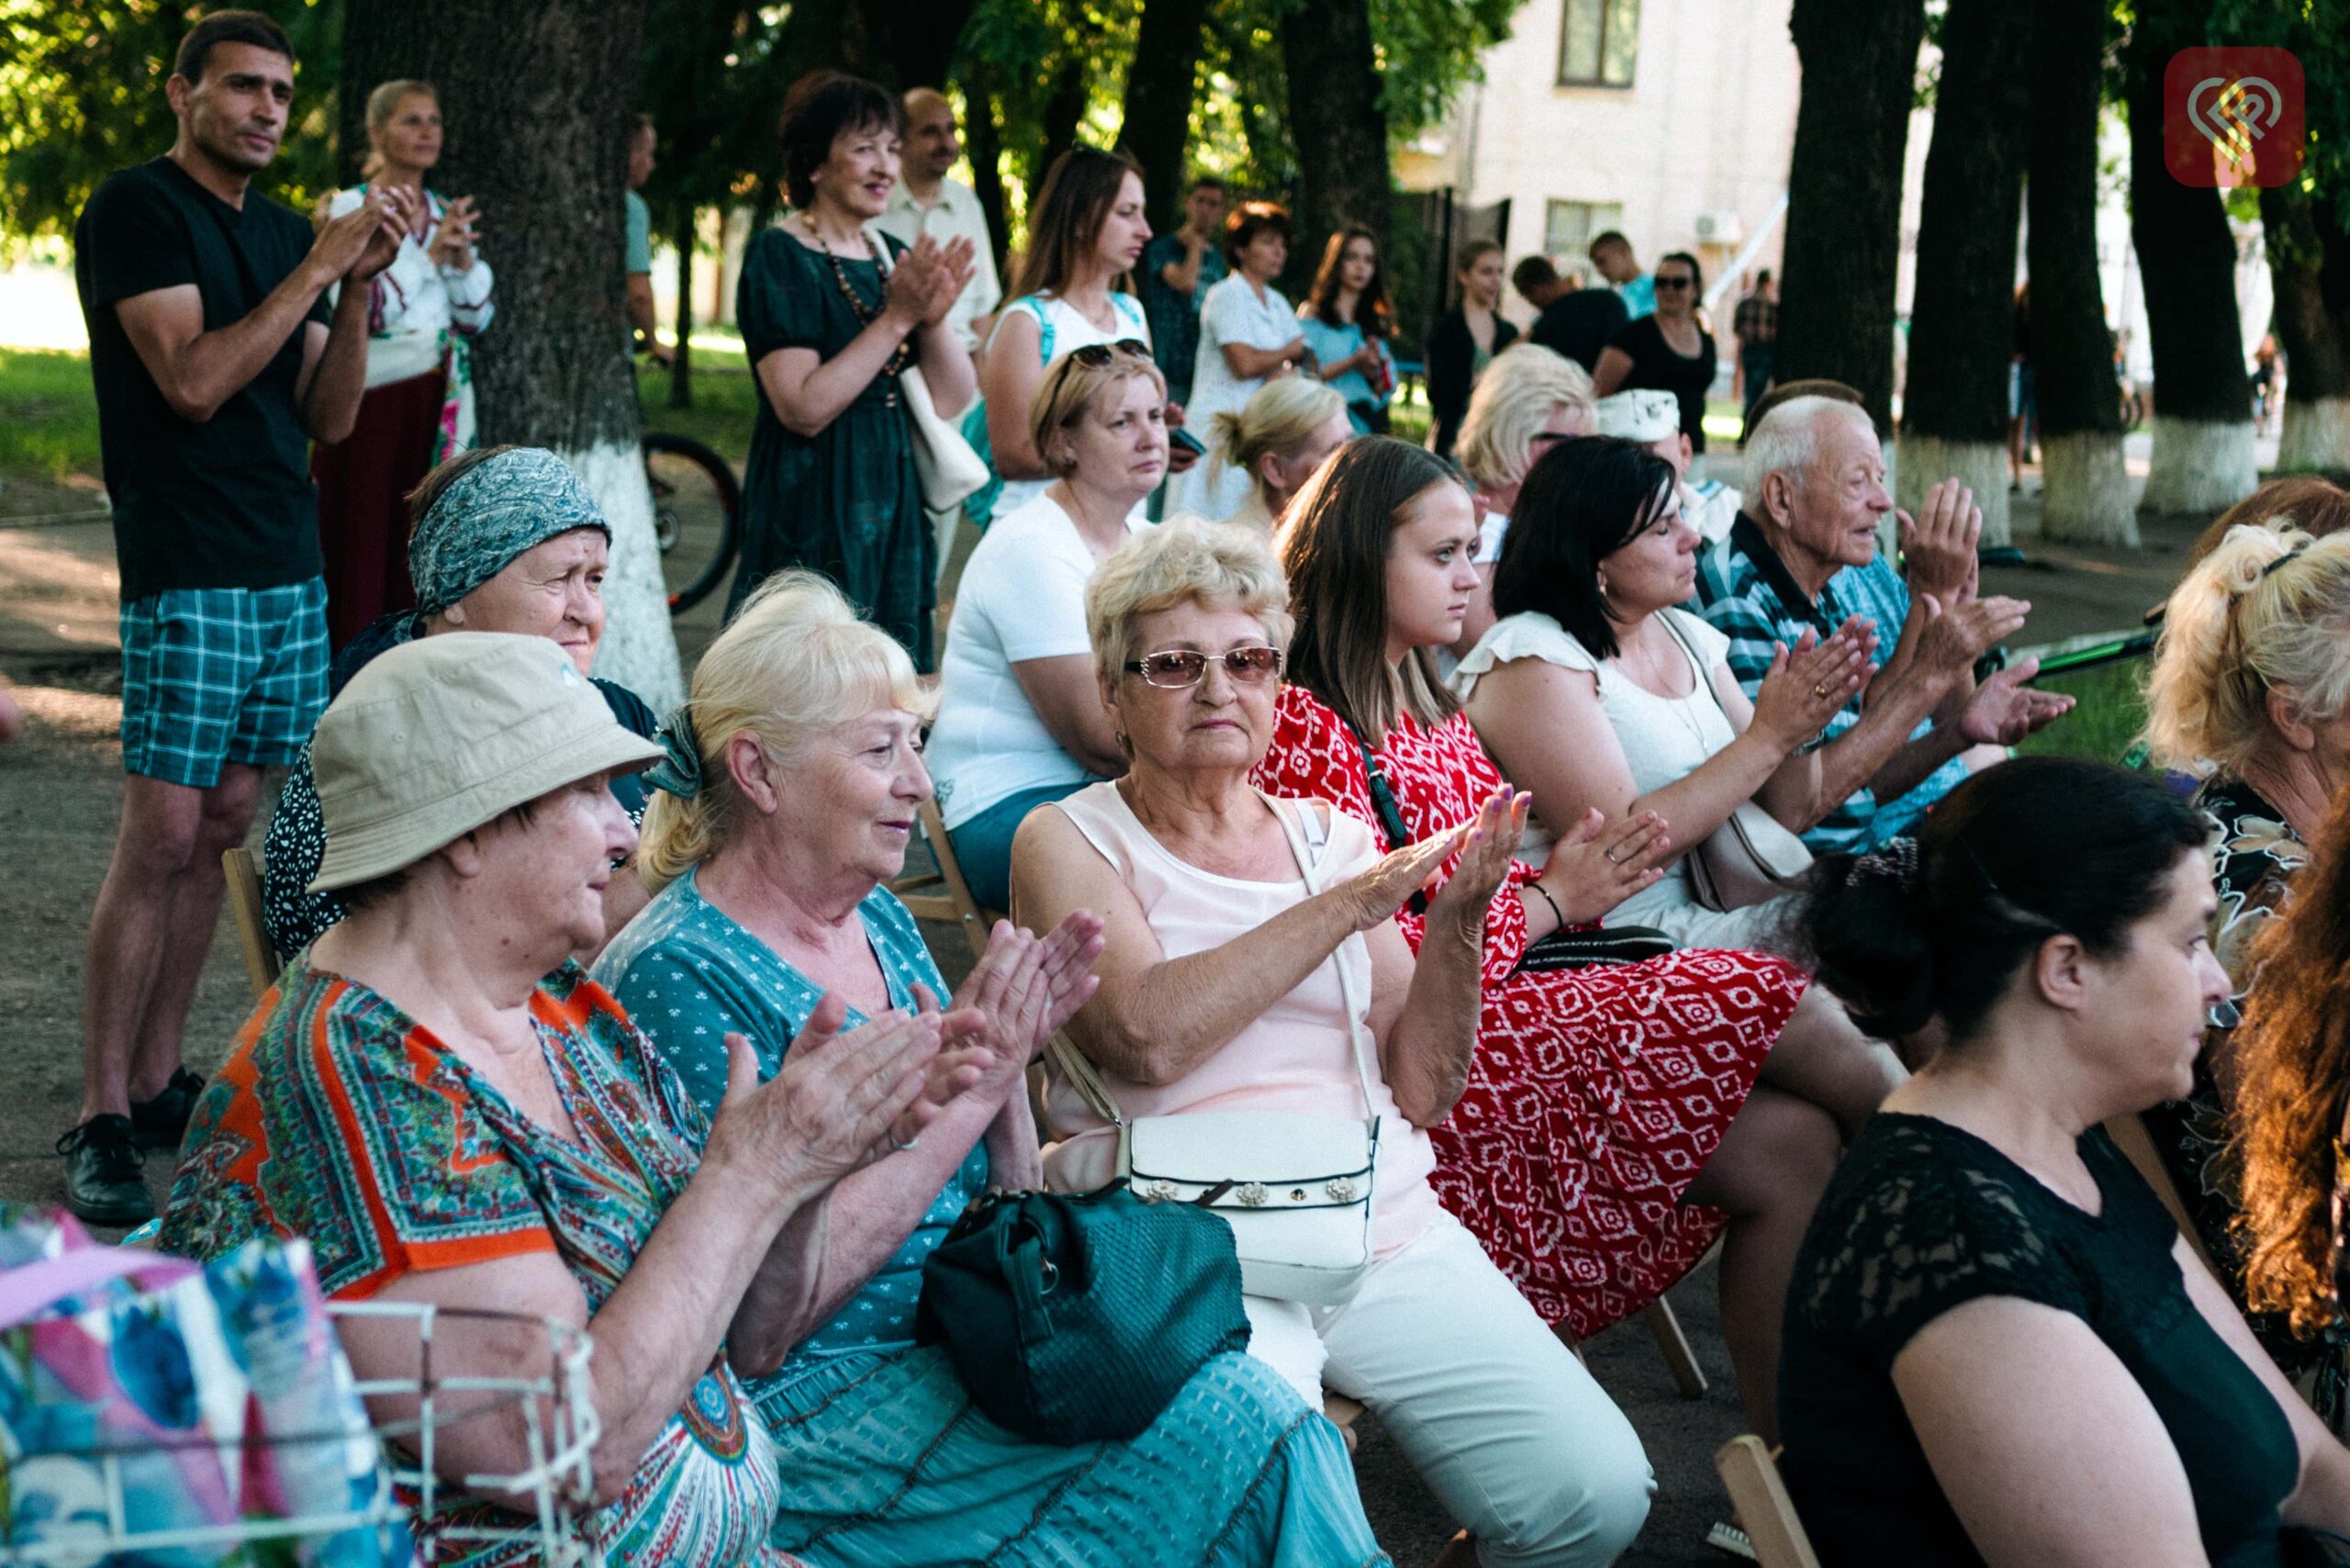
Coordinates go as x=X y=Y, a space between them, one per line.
x=437 y=736
x=1645 y=415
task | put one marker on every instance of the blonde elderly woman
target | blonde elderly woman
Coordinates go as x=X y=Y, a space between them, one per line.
x=503 y=1138
x=1279 y=439
x=790 y=791
x=2248 y=689
x=1253 y=963
x=1528 y=399
x=1019 y=720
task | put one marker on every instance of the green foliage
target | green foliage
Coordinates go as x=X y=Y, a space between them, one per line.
x=48 y=415
x=2112 y=711
x=82 y=95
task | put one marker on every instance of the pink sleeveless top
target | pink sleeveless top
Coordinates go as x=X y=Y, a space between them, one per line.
x=1295 y=1057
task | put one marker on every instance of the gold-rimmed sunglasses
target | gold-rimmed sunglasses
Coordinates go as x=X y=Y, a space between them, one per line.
x=1177 y=669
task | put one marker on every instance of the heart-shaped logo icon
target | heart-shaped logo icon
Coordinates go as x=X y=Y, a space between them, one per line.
x=2232 y=117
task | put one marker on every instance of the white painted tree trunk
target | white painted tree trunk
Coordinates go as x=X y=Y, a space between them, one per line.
x=2316 y=436
x=2200 y=465
x=1925 y=461
x=2086 y=495
x=639 y=650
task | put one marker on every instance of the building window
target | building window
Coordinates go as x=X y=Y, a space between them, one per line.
x=1569 y=228
x=1599 y=42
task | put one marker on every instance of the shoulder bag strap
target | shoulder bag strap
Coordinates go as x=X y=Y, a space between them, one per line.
x=1705 y=676
x=1355 y=1012
x=1391 y=816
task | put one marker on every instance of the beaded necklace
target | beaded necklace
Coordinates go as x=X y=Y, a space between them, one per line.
x=866 y=315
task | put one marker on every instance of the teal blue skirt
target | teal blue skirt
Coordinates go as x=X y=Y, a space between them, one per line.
x=887 y=1463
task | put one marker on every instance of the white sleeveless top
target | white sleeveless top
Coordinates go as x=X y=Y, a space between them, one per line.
x=1664 y=739
x=1295 y=1057
x=1061 y=326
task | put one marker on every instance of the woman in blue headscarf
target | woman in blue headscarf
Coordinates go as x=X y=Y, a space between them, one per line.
x=501 y=539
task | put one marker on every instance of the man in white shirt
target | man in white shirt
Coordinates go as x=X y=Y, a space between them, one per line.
x=927 y=202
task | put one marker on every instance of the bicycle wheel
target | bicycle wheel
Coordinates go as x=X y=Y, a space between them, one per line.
x=697 y=507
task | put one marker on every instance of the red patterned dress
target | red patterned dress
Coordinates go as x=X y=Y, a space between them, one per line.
x=1595 y=1095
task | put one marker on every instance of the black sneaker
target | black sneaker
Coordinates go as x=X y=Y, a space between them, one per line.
x=102 y=1180
x=161 y=1122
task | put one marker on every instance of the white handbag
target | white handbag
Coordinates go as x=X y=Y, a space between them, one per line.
x=1296 y=1190
x=950 y=471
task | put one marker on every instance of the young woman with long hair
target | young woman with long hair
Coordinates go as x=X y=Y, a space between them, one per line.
x=1348 y=323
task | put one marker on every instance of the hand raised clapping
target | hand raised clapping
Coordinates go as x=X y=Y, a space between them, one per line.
x=1940 y=552
x=2005 y=709
x=1597 y=864
x=451 y=245
x=1487 y=844
x=362 y=242
x=927 y=280
x=1809 y=684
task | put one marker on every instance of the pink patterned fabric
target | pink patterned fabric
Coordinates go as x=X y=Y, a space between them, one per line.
x=1596 y=1095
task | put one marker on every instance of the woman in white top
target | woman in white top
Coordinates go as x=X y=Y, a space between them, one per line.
x=1020 y=715
x=1528 y=397
x=1249 y=335
x=1593 y=690
x=1279 y=439
x=1085 y=234
x=422 y=312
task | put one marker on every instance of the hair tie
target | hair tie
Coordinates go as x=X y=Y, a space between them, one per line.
x=679 y=770
x=1896 y=859
x=2289 y=555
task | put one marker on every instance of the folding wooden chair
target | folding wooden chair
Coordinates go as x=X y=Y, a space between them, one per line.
x=943 y=895
x=1765 y=1510
x=242 y=874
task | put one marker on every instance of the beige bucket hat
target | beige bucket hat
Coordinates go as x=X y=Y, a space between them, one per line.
x=437 y=736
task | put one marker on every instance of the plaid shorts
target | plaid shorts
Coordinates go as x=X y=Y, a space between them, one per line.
x=212 y=675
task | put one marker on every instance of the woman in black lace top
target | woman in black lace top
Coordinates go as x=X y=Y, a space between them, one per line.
x=1998 y=1349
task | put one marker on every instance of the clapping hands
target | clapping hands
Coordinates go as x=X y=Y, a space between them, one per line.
x=453 y=240
x=926 y=281
x=1809 y=684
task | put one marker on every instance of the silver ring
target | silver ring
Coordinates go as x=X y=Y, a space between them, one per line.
x=906 y=1146
x=1608 y=855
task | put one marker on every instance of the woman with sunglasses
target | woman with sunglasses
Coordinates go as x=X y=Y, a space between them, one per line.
x=1084 y=233
x=1252 y=963
x=1671 y=351
x=1020 y=717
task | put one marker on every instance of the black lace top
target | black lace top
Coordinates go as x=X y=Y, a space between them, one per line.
x=1922 y=1218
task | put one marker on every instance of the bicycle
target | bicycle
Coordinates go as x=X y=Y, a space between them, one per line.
x=697 y=516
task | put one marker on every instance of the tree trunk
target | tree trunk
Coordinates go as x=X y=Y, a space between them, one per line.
x=1843 y=254
x=984 y=147
x=535 y=95
x=1335 y=119
x=905 y=43
x=1156 y=123
x=2086 y=489
x=2309 y=261
x=681 y=372
x=2187 y=254
x=1962 y=325
x=1065 y=100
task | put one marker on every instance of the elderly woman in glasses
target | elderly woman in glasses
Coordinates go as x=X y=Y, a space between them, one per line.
x=1020 y=718
x=1252 y=963
x=785 y=805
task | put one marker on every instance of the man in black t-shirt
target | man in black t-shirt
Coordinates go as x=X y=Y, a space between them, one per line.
x=1574 y=322
x=215 y=361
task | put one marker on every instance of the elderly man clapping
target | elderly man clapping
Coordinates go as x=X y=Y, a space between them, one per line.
x=1802 y=559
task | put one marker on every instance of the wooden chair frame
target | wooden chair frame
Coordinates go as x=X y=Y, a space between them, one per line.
x=1765 y=1512
x=242 y=874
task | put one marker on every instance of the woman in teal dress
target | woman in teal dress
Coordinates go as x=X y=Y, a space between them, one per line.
x=831 y=320
x=778 y=818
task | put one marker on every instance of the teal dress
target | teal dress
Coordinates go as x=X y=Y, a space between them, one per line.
x=885 y=1459
x=845 y=501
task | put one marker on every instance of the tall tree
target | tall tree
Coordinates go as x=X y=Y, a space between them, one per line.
x=2086 y=493
x=1841 y=259
x=1155 y=122
x=2309 y=262
x=1338 y=121
x=2187 y=255
x=1954 y=403
x=536 y=95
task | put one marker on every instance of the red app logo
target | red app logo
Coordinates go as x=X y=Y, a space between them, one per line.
x=2232 y=117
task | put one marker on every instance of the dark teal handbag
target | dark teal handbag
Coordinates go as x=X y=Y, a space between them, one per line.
x=1077 y=1317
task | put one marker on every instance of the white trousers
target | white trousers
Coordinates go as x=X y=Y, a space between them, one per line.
x=1503 y=1423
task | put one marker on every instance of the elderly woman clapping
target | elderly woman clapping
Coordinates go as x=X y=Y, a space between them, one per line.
x=1252 y=953
x=454 y=1115
x=788 y=800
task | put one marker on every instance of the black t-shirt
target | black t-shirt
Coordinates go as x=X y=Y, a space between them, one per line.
x=1579 y=325
x=1922 y=1217
x=1656 y=365
x=226 y=503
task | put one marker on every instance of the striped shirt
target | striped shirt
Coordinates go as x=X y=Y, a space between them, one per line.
x=1746 y=593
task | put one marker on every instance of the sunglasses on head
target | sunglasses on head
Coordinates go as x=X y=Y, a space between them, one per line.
x=1093 y=357
x=1176 y=668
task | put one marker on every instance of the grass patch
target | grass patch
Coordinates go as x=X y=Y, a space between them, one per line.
x=49 y=414
x=726 y=398
x=2105 y=725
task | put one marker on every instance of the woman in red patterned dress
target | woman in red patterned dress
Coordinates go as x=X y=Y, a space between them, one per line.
x=1617 y=1118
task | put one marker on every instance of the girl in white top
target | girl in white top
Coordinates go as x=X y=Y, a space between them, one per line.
x=1248 y=334
x=1020 y=716
x=1086 y=233
x=1593 y=691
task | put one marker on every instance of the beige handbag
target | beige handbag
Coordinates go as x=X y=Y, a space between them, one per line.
x=1751 y=858
x=950 y=473
x=1296 y=1190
